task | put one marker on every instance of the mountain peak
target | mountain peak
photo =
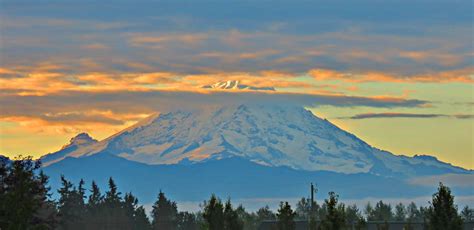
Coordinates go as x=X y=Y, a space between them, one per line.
x=235 y=85
x=79 y=140
x=272 y=135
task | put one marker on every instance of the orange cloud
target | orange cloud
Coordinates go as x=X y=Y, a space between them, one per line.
x=444 y=59
x=327 y=74
x=462 y=75
x=138 y=40
x=72 y=122
x=95 y=46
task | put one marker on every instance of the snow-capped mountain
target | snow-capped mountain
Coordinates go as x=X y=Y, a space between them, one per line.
x=236 y=85
x=245 y=150
x=270 y=135
x=81 y=139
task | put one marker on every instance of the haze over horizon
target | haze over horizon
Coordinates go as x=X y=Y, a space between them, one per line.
x=398 y=74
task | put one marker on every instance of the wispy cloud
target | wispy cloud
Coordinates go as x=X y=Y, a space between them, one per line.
x=407 y=115
x=357 y=52
x=459 y=75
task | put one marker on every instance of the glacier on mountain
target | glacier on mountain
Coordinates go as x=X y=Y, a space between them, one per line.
x=270 y=135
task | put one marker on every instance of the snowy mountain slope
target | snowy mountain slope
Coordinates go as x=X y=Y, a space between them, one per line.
x=271 y=135
x=77 y=142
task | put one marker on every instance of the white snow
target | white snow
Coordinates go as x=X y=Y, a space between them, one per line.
x=272 y=135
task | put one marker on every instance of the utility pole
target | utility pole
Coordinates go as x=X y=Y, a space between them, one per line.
x=313 y=191
x=312 y=214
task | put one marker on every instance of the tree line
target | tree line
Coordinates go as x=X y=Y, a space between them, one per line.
x=25 y=203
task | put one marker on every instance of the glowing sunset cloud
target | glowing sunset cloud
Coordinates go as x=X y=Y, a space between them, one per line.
x=65 y=71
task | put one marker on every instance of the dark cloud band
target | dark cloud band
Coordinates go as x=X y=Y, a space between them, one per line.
x=140 y=102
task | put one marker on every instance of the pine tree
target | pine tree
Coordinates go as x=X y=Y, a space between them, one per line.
x=335 y=217
x=141 y=220
x=303 y=208
x=164 y=213
x=95 y=198
x=354 y=217
x=112 y=197
x=249 y=219
x=94 y=208
x=400 y=212
x=381 y=212
x=231 y=219
x=443 y=214
x=467 y=214
x=187 y=221
x=113 y=214
x=24 y=198
x=71 y=205
x=265 y=214
x=46 y=217
x=129 y=206
x=413 y=214
x=135 y=216
x=286 y=217
x=214 y=213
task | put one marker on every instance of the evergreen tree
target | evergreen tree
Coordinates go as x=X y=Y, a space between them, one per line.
x=94 y=208
x=381 y=212
x=400 y=212
x=141 y=221
x=113 y=214
x=71 y=205
x=424 y=215
x=265 y=214
x=231 y=219
x=46 y=217
x=95 y=198
x=303 y=208
x=335 y=217
x=249 y=219
x=129 y=206
x=79 y=197
x=354 y=217
x=322 y=212
x=164 y=213
x=467 y=214
x=413 y=214
x=214 y=213
x=187 y=221
x=24 y=197
x=352 y=214
x=368 y=210
x=286 y=217
x=443 y=214
x=135 y=216
x=112 y=197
